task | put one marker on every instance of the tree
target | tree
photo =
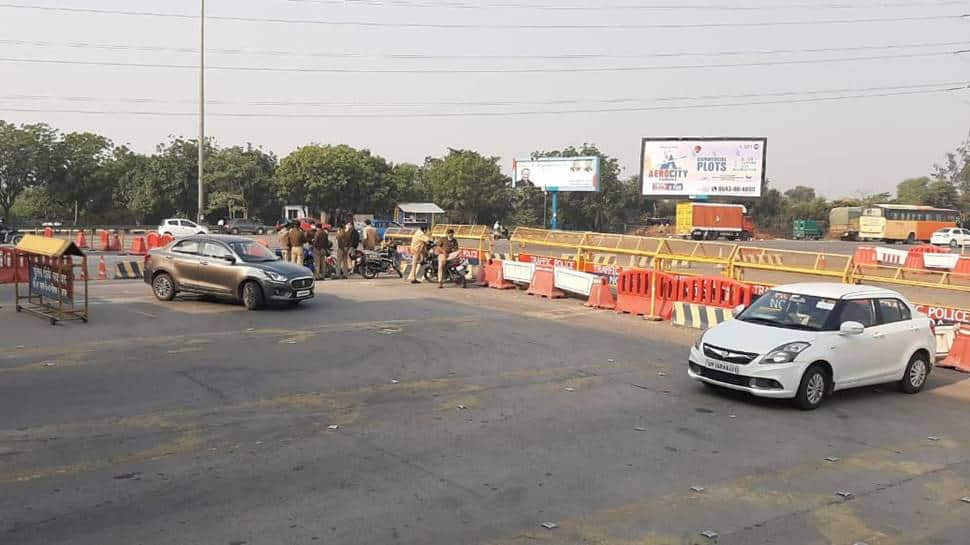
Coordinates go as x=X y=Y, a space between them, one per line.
x=801 y=193
x=239 y=182
x=942 y=194
x=335 y=179
x=26 y=154
x=79 y=182
x=912 y=190
x=470 y=186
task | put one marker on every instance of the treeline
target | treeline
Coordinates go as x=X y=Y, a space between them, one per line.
x=85 y=179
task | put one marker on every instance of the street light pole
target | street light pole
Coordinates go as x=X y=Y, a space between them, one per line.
x=201 y=111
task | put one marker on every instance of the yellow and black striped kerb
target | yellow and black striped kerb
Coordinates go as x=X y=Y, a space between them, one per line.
x=699 y=316
x=128 y=270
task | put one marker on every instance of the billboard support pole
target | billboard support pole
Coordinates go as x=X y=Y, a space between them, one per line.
x=555 y=210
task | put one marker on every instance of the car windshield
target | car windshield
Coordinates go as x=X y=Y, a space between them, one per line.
x=789 y=310
x=253 y=252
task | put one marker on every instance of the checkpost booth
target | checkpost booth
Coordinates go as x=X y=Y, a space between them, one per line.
x=55 y=283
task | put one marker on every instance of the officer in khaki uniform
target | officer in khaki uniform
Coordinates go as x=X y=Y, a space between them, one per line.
x=296 y=244
x=419 y=249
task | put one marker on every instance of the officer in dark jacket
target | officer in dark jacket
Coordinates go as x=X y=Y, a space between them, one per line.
x=321 y=249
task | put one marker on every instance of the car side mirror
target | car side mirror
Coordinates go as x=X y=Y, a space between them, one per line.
x=851 y=328
x=229 y=259
x=737 y=310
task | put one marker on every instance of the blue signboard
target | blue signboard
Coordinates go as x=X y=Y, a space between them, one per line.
x=49 y=284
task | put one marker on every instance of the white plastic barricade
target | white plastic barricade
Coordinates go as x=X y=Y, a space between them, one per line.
x=574 y=281
x=944 y=339
x=516 y=271
x=940 y=261
x=890 y=256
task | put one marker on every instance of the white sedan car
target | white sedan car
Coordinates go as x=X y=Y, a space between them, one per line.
x=181 y=228
x=953 y=237
x=805 y=341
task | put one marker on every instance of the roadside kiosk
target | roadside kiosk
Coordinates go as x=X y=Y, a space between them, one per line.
x=56 y=283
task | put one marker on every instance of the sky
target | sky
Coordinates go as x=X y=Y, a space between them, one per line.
x=411 y=78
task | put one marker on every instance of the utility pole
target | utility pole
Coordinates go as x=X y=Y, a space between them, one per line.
x=201 y=111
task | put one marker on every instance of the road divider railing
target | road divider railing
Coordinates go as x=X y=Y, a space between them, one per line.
x=922 y=278
x=828 y=265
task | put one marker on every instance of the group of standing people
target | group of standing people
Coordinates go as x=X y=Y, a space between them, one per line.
x=293 y=239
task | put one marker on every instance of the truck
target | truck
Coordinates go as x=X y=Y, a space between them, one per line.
x=807 y=230
x=844 y=222
x=710 y=221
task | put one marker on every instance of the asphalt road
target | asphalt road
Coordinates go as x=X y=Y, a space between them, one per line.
x=386 y=413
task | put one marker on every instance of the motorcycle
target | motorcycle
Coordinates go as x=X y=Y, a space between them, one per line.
x=10 y=235
x=374 y=263
x=455 y=269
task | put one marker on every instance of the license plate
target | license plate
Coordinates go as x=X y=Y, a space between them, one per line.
x=721 y=366
x=303 y=293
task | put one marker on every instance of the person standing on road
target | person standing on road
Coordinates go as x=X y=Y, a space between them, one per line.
x=419 y=249
x=285 y=243
x=371 y=237
x=352 y=245
x=321 y=249
x=296 y=244
x=343 y=247
x=447 y=250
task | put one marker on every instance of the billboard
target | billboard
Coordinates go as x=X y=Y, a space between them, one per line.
x=703 y=167
x=557 y=173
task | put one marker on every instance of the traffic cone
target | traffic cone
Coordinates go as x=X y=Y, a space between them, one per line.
x=115 y=243
x=959 y=356
x=102 y=269
x=81 y=241
x=600 y=296
x=138 y=246
x=48 y=232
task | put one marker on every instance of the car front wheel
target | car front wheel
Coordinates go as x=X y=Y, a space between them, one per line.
x=163 y=287
x=252 y=296
x=915 y=376
x=812 y=389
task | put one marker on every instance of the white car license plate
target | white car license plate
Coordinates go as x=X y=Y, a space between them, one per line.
x=721 y=366
x=303 y=293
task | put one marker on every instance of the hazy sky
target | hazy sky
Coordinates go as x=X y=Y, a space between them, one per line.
x=840 y=147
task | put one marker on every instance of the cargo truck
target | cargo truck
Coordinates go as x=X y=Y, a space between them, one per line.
x=844 y=222
x=710 y=221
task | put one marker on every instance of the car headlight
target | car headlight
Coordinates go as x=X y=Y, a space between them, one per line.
x=785 y=353
x=699 y=341
x=275 y=276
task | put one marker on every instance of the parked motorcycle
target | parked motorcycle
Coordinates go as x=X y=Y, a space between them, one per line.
x=455 y=269
x=378 y=262
x=9 y=235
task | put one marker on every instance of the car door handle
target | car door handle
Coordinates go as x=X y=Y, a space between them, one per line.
x=878 y=335
x=204 y=263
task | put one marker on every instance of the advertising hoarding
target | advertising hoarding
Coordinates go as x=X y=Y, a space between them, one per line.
x=557 y=173
x=703 y=167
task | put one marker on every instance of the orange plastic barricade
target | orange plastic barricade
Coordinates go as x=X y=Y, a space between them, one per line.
x=600 y=296
x=864 y=255
x=151 y=239
x=81 y=241
x=914 y=260
x=495 y=277
x=638 y=292
x=959 y=356
x=138 y=246
x=543 y=284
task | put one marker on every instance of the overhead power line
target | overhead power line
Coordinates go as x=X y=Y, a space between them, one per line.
x=494 y=26
x=421 y=56
x=539 y=70
x=517 y=113
x=631 y=6
x=491 y=102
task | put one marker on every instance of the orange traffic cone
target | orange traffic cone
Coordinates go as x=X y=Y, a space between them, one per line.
x=102 y=269
x=48 y=232
x=138 y=246
x=115 y=243
x=600 y=296
x=959 y=356
x=81 y=241
x=543 y=285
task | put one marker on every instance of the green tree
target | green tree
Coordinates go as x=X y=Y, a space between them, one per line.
x=468 y=185
x=80 y=182
x=239 y=183
x=26 y=160
x=336 y=179
x=800 y=193
x=942 y=194
x=912 y=190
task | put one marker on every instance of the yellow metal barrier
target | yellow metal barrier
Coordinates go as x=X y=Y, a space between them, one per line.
x=790 y=261
x=911 y=277
x=479 y=235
